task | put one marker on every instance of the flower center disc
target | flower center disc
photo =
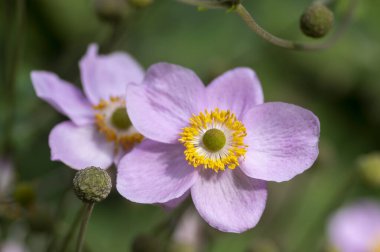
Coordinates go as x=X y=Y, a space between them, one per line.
x=112 y=120
x=214 y=140
x=120 y=119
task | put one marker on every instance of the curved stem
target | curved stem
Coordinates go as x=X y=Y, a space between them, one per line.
x=293 y=45
x=83 y=227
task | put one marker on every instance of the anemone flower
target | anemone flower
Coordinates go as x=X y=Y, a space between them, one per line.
x=99 y=130
x=219 y=144
x=356 y=227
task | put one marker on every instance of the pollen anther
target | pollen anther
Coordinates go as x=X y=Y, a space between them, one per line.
x=113 y=122
x=214 y=140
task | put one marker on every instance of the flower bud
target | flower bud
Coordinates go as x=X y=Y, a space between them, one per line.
x=111 y=10
x=140 y=4
x=317 y=21
x=24 y=194
x=146 y=243
x=369 y=167
x=92 y=184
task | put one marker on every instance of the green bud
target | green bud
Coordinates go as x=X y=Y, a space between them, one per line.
x=369 y=167
x=120 y=119
x=214 y=140
x=140 y=4
x=317 y=21
x=24 y=194
x=92 y=184
x=111 y=10
x=146 y=243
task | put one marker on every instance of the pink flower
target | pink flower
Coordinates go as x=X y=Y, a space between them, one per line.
x=99 y=130
x=356 y=227
x=220 y=143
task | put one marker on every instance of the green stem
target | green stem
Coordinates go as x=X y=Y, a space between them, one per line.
x=69 y=234
x=293 y=45
x=13 y=52
x=83 y=227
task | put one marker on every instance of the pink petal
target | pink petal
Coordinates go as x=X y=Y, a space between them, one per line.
x=104 y=76
x=80 y=147
x=154 y=173
x=164 y=103
x=171 y=204
x=63 y=96
x=282 y=139
x=237 y=90
x=229 y=200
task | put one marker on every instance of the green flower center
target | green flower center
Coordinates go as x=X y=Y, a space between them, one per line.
x=214 y=140
x=120 y=119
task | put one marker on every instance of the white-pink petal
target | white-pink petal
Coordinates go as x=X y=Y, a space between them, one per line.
x=282 y=141
x=154 y=172
x=63 y=96
x=104 y=76
x=163 y=105
x=229 y=200
x=80 y=146
x=237 y=90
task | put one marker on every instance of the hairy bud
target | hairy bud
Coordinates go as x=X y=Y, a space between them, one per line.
x=92 y=184
x=317 y=21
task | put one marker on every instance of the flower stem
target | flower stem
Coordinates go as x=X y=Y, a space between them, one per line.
x=70 y=232
x=293 y=45
x=83 y=227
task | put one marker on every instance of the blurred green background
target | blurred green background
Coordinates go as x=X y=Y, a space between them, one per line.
x=340 y=85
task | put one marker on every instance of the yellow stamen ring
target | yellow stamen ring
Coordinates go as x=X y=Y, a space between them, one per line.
x=214 y=140
x=121 y=133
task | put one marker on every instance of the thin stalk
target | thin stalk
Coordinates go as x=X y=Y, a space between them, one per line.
x=294 y=45
x=70 y=233
x=83 y=227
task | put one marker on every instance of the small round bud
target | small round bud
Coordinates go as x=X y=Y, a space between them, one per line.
x=317 y=21
x=146 y=243
x=24 y=194
x=92 y=184
x=140 y=4
x=120 y=118
x=369 y=167
x=111 y=10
